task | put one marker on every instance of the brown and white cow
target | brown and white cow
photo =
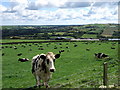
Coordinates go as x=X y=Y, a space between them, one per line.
x=43 y=67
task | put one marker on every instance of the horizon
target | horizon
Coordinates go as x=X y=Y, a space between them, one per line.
x=60 y=24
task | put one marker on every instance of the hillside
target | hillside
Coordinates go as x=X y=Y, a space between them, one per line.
x=109 y=30
x=54 y=31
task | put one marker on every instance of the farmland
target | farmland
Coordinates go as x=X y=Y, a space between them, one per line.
x=54 y=31
x=76 y=68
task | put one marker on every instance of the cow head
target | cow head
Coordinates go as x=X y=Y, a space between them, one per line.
x=49 y=60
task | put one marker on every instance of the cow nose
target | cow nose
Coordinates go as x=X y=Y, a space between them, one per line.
x=52 y=70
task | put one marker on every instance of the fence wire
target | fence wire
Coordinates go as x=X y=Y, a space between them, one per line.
x=92 y=82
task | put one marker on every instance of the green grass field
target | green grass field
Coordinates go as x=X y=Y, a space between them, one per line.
x=17 y=40
x=76 y=68
x=89 y=36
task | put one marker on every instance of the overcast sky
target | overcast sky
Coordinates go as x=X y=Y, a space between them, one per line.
x=58 y=12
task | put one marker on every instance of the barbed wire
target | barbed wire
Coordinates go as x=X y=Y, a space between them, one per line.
x=77 y=80
x=86 y=83
x=81 y=72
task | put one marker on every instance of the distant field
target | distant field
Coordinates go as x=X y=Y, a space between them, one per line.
x=60 y=33
x=89 y=36
x=109 y=30
x=76 y=68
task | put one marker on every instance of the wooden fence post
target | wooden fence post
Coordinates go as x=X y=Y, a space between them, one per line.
x=105 y=78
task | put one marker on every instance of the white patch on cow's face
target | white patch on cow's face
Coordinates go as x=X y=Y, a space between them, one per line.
x=50 y=62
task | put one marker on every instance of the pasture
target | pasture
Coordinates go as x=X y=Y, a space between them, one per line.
x=76 y=68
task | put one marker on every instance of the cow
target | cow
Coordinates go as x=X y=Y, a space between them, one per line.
x=87 y=49
x=3 y=54
x=100 y=55
x=61 y=51
x=43 y=67
x=40 y=48
x=15 y=47
x=67 y=47
x=19 y=54
x=112 y=48
x=23 y=59
x=75 y=45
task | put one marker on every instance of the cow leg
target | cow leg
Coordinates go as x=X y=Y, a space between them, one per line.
x=37 y=78
x=38 y=81
x=46 y=84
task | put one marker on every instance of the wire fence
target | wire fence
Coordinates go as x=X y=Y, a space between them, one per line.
x=93 y=80
x=80 y=82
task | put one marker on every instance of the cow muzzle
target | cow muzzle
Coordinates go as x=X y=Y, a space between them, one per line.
x=52 y=70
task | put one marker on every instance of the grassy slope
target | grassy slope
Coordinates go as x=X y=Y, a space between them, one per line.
x=109 y=30
x=74 y=67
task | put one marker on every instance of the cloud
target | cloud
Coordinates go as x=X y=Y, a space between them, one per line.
x=56 y=4
x=59 y=11
x=2 y=8
x=75 y=4
x=15 y=5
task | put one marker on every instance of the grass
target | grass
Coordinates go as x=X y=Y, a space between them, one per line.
x=60 y=33
x=17 y=40
x=76 y=68
x=89 y=36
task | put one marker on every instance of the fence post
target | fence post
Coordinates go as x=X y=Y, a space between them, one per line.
x=105 y=78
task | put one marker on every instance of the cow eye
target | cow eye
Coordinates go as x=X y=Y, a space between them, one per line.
x=47 y=61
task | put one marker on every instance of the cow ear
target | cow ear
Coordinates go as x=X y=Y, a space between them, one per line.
x=43 y=56
x=57 y=56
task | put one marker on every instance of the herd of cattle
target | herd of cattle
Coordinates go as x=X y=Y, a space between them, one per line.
x=43 y=64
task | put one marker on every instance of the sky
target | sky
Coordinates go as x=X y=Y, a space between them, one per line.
x=58 y=12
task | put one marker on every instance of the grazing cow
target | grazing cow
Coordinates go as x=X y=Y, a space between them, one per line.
x=42 y=67
x=6 y=46
x=60 y=43
x=30 y=45
x=112 y=48
x=87 y=49
x=101 y=55
x=67 y=47
x=23 y=59
x=23 y=46
x=40 y=48
x=3 y=54
x=19 y=54
x=15 y=47
x=61 y=51
x=10 y=46
x=75 y=45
